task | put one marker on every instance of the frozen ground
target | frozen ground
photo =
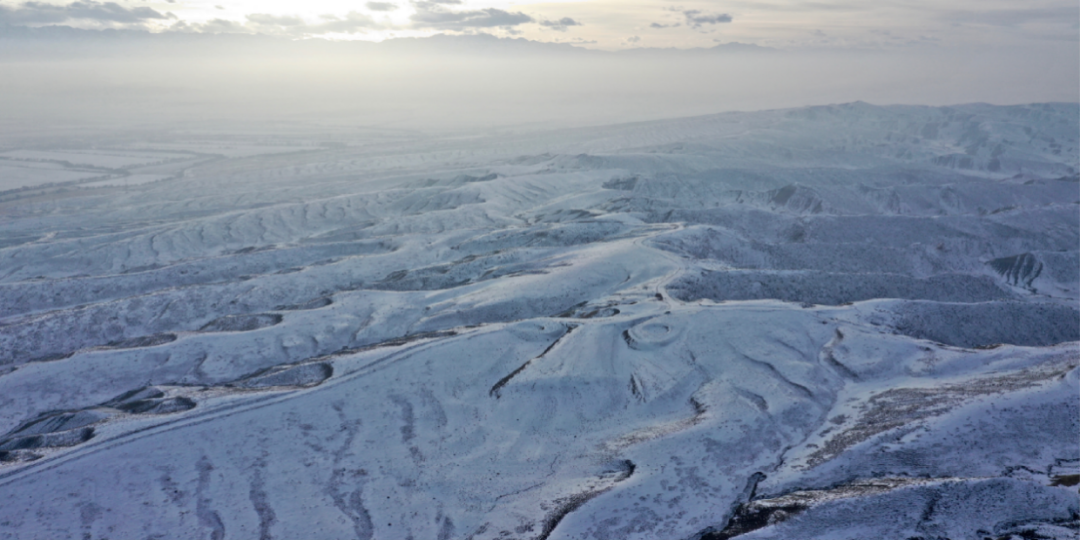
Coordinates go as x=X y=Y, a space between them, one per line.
x=840 y=322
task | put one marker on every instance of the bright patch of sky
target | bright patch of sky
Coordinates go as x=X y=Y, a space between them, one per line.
x=608 y=24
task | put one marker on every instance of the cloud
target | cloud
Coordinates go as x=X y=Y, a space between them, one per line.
x=430 y=15
x=433 y=4
x=561 y=24
x=438 y=15
x=658 y=25
x=213 y=26
x=695 y=18
x=633 y=39
x=381 y=6
x=351 y=23
x=291 y=25
x=29 y=13
x=275 y=20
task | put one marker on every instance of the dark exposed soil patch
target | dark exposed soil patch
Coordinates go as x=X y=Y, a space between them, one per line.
x=898 y=407
x=242 y=323
x=827 y=288
x=48 y=440
x=990 y=323
x=750 y=518
x=1019 y=269
x=1067 y=480
x=142 y=341
x=395 y=342
x=494 y=392
x=52 y=357
x=310 y=304
x=60 y=421
x=566 y=505
x=158 y=406
x=757 y=514
x=303 y=375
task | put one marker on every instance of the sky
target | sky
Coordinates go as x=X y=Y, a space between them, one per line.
x=918 y=52
x=602 y=24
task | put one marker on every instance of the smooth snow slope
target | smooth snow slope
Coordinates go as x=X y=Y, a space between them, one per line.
x=833 y=322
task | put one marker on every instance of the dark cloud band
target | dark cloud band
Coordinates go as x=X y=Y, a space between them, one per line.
x=29 y=13
x=695 y=18
x=561 y=24
x=462 y=20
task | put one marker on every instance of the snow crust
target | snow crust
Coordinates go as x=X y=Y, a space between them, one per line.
x=832 y=322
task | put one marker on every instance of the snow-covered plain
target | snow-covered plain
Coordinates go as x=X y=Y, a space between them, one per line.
x=832 y=322
x=15 y=175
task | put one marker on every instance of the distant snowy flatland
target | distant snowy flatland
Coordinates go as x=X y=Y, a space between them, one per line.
x=832 y=322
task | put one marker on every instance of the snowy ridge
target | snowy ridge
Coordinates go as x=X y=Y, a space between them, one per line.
x=833 y=322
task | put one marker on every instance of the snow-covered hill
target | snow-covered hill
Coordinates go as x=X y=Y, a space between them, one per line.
x=832 y=322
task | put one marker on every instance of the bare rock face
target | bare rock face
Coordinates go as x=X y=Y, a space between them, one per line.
x=830 y=322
